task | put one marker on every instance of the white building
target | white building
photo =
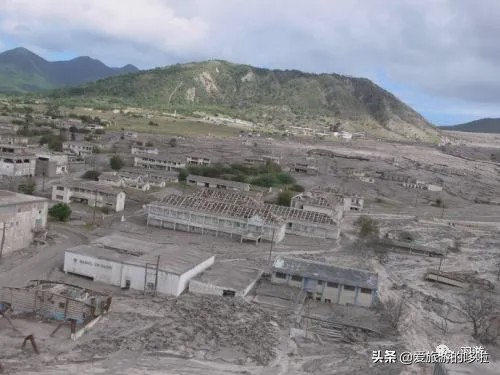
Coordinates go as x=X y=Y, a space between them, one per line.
x=20 y=216
x=161 y=162
x=134 y=264
x=325 y=282
x=17 y=161
x=89 y=192
x=83 y=149
x=143 y=150
x=155 y=178
x=198 y=160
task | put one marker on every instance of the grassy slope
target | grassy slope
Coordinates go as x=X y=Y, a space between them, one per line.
x=283 y=98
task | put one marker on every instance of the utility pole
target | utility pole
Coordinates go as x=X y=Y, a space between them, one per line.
x=95 y=204
x=156 y=275
x=3 y=240
x=271 y=250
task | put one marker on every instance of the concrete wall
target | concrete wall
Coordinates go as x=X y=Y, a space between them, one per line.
x=19 y=221
x=187 y=276
x=17 y=167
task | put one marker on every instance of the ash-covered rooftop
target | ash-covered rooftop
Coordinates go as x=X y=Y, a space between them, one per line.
x=326 y=272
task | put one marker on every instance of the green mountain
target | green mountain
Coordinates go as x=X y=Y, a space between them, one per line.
x=484 y=125
x=281 y=98
x=23 y=71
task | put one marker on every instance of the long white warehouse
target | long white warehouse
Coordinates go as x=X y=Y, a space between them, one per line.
x=135 y=264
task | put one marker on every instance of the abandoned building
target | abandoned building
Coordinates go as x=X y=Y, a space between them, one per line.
x=51 y=164
x=218 y=183
x=82 y=149
x=21 y=217
x=225 y=279
x=55 y=300
x=89 y=192
x=228 y=213
x=124 y=180
x=17 y=161
x=308 y=166
x=160 y=161
x=143 y=150
x=8 y=139
x=135 y=264
x=422 y=185
x=325 y=282
x=328 y=204
x=155 y=178
x=198 y=160
x=234 y=216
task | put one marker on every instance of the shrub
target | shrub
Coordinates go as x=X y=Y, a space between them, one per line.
x=91 y=175
x=284 y=198
x=367 y=227
x=60 y=211
x=116 y=162
x=29 y=188
x=183 y=173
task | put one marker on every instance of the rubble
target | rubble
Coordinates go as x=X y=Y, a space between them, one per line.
x=193 y=326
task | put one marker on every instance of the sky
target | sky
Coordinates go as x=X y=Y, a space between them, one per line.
x=439 y=56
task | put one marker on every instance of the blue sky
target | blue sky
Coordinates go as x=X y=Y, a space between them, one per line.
x=440 y=57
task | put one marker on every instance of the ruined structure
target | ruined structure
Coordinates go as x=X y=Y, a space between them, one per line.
x=55 y=300
x=20 y=217
x=17 y=161
x=325 y=282
x=89 y=192
x=218 y=183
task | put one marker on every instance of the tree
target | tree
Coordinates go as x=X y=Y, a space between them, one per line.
x=60 y=211
x=91 y=175
x=116 y=162
x=173 y=142
x=367 y=227
x=182 y=175
x=284 y=198
x=395 y=311
x=478 y=309
x=29 y=188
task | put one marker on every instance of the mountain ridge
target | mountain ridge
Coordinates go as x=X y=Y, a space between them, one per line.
x=279 y=97
x=23 y=71
x=483 y=125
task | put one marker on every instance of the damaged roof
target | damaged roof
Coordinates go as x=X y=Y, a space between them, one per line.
x=326 y=272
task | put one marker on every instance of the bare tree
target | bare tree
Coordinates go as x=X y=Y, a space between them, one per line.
x=395 y=311
x=478 y=309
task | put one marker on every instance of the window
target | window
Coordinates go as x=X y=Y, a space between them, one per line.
x=296 y=278
x=150 y=286
x=60 y=188
x=320 y=282
x=366 y=291
x=62 y=305
x=328 y=300
x=349 y=287
x=280 y=275
x=75 y=260
x=332 y=285
x=59 y=197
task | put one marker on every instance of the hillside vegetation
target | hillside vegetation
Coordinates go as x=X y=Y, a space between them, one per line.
x=280 y=98
x=22 y=71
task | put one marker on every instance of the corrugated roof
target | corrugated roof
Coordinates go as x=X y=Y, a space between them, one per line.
x=326 y=272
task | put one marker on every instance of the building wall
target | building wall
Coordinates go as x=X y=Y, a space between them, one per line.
x=17 y=167
x=65 y=194
x=101 y=270
x=305 y=229
x=20 y=220
x=186 y=276
x=333 y=292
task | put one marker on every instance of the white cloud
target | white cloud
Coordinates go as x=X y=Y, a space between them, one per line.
x=445 y=48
